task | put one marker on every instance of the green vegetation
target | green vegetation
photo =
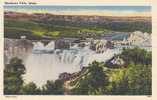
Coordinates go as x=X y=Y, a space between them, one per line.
x=34 y=29
x=136 y=56
x=30 y=89
x=97 y=79
x=53 y=34
x=51 y=88
x=92 y=83
x=38 y=33
x=14 y=83
x=133 y=79
x=13 y=76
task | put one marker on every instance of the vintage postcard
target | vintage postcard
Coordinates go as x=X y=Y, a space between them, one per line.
x=77 y=50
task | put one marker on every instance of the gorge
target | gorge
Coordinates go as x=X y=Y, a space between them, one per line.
x=46 y=62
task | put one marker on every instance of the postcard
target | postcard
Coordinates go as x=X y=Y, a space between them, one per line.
x=77 y=50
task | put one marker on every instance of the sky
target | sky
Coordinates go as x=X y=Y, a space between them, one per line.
x=85 y=10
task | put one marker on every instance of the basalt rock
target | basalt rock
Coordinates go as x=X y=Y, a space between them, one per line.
x=62 y=44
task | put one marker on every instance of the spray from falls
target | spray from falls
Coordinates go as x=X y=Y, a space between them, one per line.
x=46 y=62
x=42 y=65
x=40 y=48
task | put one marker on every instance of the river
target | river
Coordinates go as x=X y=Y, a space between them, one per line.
x=47 y=63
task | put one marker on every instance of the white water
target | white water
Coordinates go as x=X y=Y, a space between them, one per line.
x=46 y=63
x=47 y=66
x=39 y=47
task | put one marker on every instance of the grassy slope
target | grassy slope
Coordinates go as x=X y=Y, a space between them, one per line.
x=55 y=29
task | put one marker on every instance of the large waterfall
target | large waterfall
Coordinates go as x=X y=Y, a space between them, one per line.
x=44 y=62
x=43 y=66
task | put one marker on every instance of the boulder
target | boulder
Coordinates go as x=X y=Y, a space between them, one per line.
x=62 y=44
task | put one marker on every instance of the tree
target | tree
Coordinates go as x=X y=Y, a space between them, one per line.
x=53 y=87
x=13 y=76
x=31 y=89
x=135 y=77
x=139 y=79
x=136 y=56
x=119 y=83
x=134 y=80
x=94 y=82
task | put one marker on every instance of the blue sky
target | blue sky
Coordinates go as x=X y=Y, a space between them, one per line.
x=95 y=10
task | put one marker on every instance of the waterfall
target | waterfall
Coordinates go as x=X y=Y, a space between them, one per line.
x=47 y=63
x=40 y=48
x=50 y=45
x=48 y=66
x=75 y=55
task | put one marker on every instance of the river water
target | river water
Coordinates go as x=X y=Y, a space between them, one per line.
x=47 y=63
x=43 y=66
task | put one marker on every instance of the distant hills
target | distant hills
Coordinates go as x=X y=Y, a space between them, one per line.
x=37 y=24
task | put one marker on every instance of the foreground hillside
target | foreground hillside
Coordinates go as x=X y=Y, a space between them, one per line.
x=36 y=26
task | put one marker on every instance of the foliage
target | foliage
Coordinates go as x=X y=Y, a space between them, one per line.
x=133 y=79
x=38 y=33
x=13 y=76
x=34 y=28
x=53 y=87
x=94 y=82
x=137 y=56
x=139 y=79
x=53 y=34
x=14 y=83
x=30 y=89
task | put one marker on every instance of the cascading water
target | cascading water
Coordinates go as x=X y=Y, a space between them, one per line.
x=50 y=46
x=43 y=66
x=40 y=48
x=46 y=63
